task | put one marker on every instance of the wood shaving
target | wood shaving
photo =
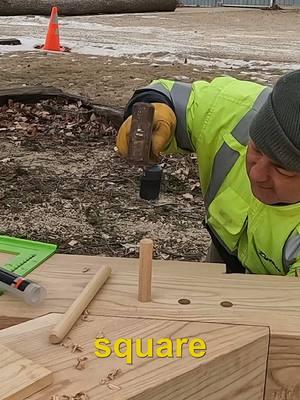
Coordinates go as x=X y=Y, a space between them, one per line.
x=110 y=377
x=67 y=342
x=80 y=396
x=81 y=363
x=100 y=335
x=76 y=347
x=77 y=396
x=111 y=386
x=85 y=316
x=114 y=373
x=85 y=269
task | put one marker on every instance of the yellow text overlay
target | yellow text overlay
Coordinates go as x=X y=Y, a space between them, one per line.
x=149 y=348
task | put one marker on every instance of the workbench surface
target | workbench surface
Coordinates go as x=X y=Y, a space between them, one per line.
x=269 y=302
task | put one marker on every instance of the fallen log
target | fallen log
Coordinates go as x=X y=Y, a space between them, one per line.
x=33 y=94
x=83 y=7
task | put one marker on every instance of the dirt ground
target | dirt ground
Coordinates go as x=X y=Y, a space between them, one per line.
x=105 y=80
x=63 y=182
x=71 y=188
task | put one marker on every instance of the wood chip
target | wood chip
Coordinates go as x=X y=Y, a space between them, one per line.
x=100 y=335
x=67 y=342
x=111 y=386
x=72 y=243
x=80 y=396
x=77 y=396
x=81 y=363
x=114 y=373
x=110 y=376
x=76 y=347
x=188 y=196
x=85 y=316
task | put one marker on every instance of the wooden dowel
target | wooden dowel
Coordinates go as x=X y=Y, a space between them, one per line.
x=76 y=309
x=145 y=270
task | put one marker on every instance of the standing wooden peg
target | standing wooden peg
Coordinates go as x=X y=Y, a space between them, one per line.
x=145 y=272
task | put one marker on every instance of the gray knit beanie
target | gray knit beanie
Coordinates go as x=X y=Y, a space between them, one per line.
x=276 y=127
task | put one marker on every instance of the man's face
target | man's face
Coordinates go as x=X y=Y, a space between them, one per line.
x=270 y=183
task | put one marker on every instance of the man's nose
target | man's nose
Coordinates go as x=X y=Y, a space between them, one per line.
x=260 y=172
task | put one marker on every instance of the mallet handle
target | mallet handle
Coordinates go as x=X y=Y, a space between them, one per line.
x=139 y=146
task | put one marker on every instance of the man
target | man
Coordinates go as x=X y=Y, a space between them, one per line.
x=247 y=140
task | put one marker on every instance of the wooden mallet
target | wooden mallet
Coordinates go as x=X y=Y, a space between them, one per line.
x=77 y=308
x=139 y=150
x=145 y=270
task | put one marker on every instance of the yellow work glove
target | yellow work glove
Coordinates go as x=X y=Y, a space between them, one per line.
x=164 y=126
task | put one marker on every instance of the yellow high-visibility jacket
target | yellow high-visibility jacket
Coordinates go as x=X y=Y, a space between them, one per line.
x=213 y=120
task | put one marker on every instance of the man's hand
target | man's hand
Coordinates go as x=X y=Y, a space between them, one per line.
x=164 y=126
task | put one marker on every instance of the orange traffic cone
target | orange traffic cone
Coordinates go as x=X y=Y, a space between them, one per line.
x=52 y=38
